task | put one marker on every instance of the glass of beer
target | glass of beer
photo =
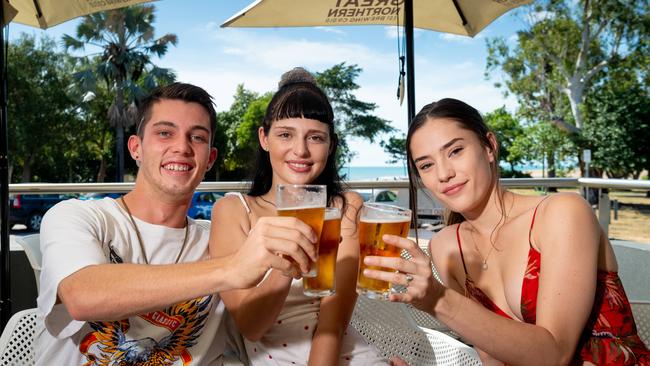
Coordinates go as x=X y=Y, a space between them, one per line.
x=324 y=284
x=376 y=220
x=307 y=203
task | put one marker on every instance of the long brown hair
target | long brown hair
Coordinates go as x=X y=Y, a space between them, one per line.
x=468 y=118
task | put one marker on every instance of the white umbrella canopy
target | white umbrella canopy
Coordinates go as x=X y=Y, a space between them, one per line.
x=463 y=17
x=47 y=13
x=40 y=14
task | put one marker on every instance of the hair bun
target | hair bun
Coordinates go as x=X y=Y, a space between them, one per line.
x=296 y=75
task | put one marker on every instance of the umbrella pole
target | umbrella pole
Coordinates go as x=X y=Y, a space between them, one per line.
x=410 y=71
x=5 y=290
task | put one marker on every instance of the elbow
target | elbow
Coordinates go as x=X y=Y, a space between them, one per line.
x=75 y=302
x=252 y=332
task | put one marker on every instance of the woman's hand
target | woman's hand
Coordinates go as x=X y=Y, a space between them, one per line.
x=422 y=289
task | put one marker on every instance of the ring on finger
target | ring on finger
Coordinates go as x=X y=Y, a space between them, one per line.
x=409 y=278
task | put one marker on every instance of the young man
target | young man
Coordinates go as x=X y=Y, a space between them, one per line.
x=129 y=281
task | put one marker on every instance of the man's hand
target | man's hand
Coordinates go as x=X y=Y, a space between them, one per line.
x=282 y=243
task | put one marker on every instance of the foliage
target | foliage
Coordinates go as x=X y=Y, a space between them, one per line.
x=38 y=109
x=507 y=129
x=126 y=38
x=395 y=147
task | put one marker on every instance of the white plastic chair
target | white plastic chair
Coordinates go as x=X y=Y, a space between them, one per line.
x=32 y=246
x=393 y=331
x=16 y=343
x=641 y=312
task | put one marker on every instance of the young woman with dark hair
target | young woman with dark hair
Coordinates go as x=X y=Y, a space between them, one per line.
x=281 y=325
x=528 y=280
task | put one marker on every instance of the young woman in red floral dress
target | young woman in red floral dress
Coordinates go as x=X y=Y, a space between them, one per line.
x=528 y=280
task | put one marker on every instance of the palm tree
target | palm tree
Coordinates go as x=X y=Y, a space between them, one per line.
x=126 y=40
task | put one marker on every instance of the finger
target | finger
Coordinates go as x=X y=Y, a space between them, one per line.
x=401 y=297
x=281 y=264
x=288 y=235
x=295 y=224
x=290 y=251
x=406 y=244
x=396 y=263
x=379 y=275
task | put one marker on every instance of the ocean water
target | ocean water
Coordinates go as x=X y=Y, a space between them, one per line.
x=372 y=172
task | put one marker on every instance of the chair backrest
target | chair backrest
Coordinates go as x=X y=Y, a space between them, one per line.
x=32 y=246
x=17 y=341
x=641 y=312
x=390 y=328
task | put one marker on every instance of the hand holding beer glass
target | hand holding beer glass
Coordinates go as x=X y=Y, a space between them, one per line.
x=307 y=203
x=377 y=220
x=324 y=284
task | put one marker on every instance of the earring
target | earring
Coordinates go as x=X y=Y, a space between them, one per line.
x=265 y=148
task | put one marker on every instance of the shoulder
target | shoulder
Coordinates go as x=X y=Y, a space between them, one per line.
x=228 y=205
x=353 y=199
x=444 y=240
x=564 y=207
x=74 y=209
x=562 y=217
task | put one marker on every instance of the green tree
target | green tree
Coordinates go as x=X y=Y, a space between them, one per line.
x=39 y=111
x=395 y=147
x=353 y=117
x=558 y=58
x=126 y=38
x=507 y=129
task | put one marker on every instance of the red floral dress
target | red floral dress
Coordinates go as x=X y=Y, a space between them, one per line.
x=610 y=335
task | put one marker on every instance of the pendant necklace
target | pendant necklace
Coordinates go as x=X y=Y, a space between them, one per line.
x=137 y=233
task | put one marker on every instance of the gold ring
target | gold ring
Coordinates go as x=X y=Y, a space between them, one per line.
x=409 y=278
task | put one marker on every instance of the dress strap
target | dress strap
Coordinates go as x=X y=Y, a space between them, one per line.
x=242 y=199
x=532 y=222
x=460 y=248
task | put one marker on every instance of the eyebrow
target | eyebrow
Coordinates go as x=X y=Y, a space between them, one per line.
x=293 y=129
x=173 y=125
x=444 y=147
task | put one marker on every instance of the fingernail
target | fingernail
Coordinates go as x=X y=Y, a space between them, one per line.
x=365 y=272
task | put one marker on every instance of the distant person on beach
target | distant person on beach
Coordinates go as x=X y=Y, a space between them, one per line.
x=280 y=324
x=129 y=281
x=528 y=280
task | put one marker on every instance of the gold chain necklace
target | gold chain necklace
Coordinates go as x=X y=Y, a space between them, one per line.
x=484 y=265
x=137 y=233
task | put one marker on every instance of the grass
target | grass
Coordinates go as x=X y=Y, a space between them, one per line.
x=633 y=221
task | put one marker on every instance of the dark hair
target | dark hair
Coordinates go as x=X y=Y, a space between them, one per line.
x=468 y=118
x=298 y=96
x=175 y=91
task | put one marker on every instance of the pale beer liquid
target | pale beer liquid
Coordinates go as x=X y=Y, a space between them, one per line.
x=324 y=283
x=371 y=243
x=312 y=216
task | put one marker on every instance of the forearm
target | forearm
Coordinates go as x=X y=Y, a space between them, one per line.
x=510 y=341
x=117 y=291
x=255 y=310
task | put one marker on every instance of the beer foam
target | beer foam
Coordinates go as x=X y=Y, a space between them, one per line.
x=332 y=215
x=391 y=220
x=299 y=208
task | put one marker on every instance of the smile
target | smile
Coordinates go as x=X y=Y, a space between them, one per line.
x=176 y=167
x=451 y=190
x=299 y=166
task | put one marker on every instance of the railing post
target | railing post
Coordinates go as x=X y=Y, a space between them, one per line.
x=603 y=210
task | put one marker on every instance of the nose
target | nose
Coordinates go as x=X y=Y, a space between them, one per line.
x=445 y=171
x=300 y=148
x=183 y=144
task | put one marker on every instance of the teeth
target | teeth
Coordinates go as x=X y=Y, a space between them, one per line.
x=177 y=167
x=297 y=165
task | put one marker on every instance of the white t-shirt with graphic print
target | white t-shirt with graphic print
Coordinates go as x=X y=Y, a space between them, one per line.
x=76 y=234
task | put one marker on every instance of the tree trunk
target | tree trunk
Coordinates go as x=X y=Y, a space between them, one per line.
x=574 y=92
x=101 y=175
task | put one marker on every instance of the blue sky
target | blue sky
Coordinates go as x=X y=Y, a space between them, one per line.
x=218 y=59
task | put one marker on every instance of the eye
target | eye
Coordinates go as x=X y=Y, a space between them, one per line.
x=455 y=151
x=284 y=135
x=164 y=133
x=318 y=138
x=199 y=138
x=425 y=166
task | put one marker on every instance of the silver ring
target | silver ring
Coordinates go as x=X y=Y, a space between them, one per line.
x=409 y=278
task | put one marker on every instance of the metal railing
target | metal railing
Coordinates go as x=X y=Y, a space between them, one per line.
x=603 y=185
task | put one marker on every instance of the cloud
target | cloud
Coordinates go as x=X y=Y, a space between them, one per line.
x=335 y=30
x=538 y=16
x=391 y=32
x=455 y=38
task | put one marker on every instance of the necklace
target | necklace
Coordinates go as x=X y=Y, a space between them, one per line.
x=484 y=265
x=137 y=233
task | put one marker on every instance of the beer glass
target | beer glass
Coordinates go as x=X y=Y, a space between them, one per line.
x=376 y=220
x=324 y=284
x=305 y=202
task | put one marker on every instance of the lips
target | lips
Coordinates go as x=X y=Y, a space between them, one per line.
x=300 y=166
x=453 y=189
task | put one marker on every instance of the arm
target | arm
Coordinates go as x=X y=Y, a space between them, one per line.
x=105 y=291
x=569 y=247
x=254 y=309
x=336 y=311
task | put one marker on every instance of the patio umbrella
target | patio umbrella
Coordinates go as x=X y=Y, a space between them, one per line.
x=41 y=14
x=462 y=17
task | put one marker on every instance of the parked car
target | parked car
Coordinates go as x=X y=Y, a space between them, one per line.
x=28 y=209
x=201 y=206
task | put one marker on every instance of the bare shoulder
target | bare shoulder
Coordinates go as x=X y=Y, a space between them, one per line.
x=444 y=240
x=229 y=211
x=443 y=249
x=353 y=199
x=561 y=207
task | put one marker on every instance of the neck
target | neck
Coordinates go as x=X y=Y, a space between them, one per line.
x=154 y=209
x=485 y=218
